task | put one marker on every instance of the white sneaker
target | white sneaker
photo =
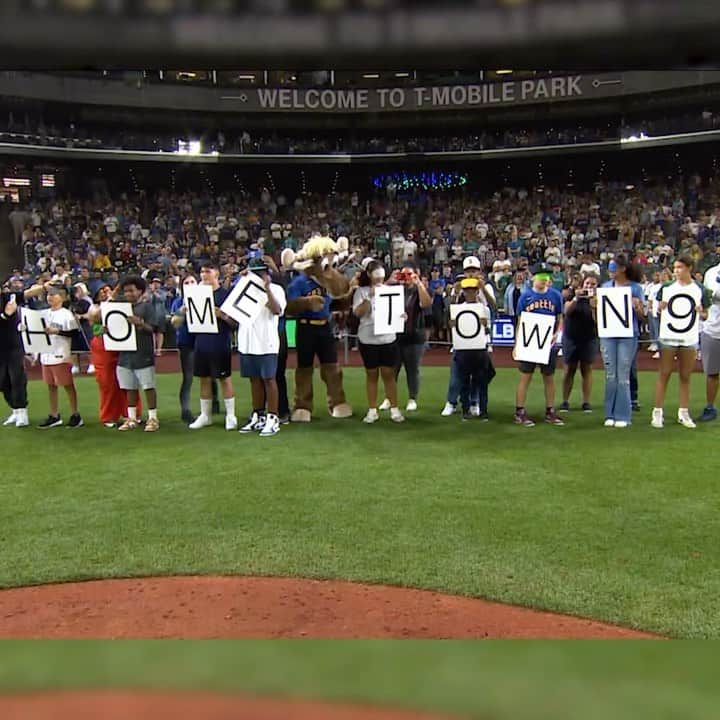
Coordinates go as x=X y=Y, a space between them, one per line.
x=396 y=415
x=448 y=410
x=475 y=410
x=371 y=417
x=653 y=347
x=621 y=424
x=271 y=427
x=21 y=418
x=255 y=424
x=657 y=418
x=75 y=370
x=385 y=405
x=609 y=423
x=231 y=422
x=656 y=356
x=201 y=421
x=91 y=370
x=685 y=420
x=411 y=405
x=12 y=420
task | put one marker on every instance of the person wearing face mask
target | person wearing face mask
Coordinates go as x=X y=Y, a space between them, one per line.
x=379 y=352
x=186 y=349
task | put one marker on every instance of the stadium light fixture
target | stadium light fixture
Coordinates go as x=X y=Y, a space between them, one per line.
x=371 y=76
x=402 y=74
x=503 y=72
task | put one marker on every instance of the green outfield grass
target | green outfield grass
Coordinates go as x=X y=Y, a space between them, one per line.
x=618 y=525
x=492 y=680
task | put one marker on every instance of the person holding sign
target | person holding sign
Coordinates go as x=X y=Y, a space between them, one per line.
x=682 y=303
x=185 y=343
x=619 y=312
x=470 y=358
x=57 y=364
x=136 y=368
x=259 y=346
x=541 y=299
x=113 y=400
x=213 y=356
x=379 y=351
x=13 y=380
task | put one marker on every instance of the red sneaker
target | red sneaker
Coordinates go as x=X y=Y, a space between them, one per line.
x=522 y=418
x=553 y=418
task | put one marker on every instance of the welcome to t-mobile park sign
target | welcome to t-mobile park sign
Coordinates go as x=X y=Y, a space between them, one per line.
x=418 y=98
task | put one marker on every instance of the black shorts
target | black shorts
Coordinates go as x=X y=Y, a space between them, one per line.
x=584 y=351
x=312 y=340
x=215 y=365
x=376 y=356
x=528 y=368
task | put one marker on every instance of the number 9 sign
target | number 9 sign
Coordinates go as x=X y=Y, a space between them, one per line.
x=680 y=321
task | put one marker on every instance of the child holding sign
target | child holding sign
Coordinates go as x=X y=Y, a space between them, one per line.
x=682 y=303
x=56 y=364
x=542 y=299
x=471 y=357
x=379 y=351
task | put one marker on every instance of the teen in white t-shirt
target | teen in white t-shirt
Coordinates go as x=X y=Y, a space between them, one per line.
x=259 y=345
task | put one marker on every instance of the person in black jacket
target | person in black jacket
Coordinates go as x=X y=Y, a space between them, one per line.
x=13 y=380
x=580 y=340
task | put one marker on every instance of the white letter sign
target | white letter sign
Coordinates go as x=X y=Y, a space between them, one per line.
x=120 y=333
x=389 y=309
x=468 y=332
x=615 y=313
x=680 y=321
x=246 y=299
x=533 y=342
x=34 y=337
x=200 y=304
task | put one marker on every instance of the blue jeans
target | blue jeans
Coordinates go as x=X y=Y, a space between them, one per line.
x=478 y=394
x=618 y=355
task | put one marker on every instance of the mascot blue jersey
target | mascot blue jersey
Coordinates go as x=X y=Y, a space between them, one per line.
x=304 y=286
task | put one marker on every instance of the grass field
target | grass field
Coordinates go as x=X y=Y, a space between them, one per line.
x=511 y=680
x=618 y=525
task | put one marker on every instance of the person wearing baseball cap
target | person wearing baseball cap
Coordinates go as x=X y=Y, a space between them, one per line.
x=541 y=298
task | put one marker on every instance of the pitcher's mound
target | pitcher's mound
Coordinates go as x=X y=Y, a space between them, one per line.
x=251 y=607
x=116 y=705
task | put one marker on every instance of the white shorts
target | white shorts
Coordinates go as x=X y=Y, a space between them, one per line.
x=134 y=379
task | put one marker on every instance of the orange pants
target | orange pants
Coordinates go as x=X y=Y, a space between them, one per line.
x=113 y=400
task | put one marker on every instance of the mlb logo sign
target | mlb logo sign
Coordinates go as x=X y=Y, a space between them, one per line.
x=503 y=332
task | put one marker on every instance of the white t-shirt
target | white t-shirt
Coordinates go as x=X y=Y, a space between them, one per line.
x=262 y=337
x=111 y=224
x=711 y=326
x=366 y=329
x=592 y=267
x=409 y=249
x=61 y=352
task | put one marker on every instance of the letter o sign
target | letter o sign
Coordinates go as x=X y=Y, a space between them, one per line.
x=113 y=327
x=462 y=326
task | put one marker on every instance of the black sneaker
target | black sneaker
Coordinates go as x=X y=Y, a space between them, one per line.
x=187 y=417
x=284 y=419
x=564 y=407
x=75 y=421
x=50 y=422
x=587 y=407
x=467 y=415
x=483 y=416
x=636 y=406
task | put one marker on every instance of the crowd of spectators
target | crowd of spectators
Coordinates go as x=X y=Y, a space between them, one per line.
x=164 y=235
x=35 y=130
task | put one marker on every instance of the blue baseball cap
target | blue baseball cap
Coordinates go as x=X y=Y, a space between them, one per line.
x=612 y=266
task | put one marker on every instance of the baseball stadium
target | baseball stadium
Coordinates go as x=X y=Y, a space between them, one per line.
x=390 y=392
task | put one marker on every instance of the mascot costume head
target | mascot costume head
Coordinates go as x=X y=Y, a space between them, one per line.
x=317 y=284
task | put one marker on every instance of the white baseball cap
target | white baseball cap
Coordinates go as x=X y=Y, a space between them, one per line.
x=471 y=262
